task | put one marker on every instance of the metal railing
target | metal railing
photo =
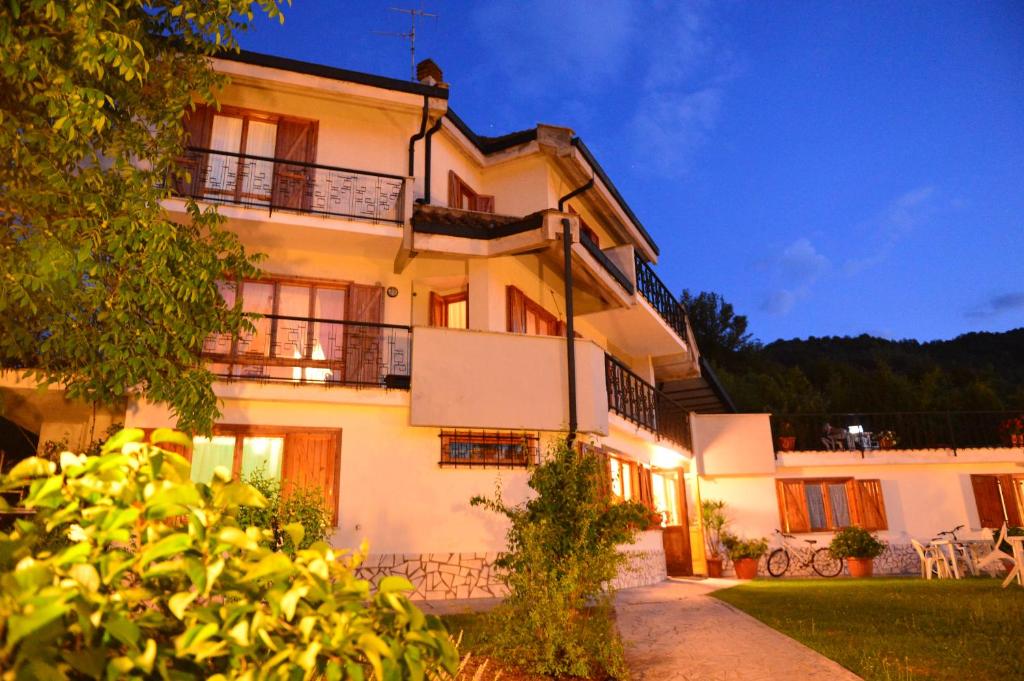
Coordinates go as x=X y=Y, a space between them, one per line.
x=639 y=402
x=489 y=448
x=896 y=430
x=660 y=298
x=314 y=351
x=277 y=184
x=608 y=264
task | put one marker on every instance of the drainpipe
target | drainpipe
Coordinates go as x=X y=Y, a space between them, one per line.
x=570 y=330
x=574 y=193
x=426 y=160
x=418 y=136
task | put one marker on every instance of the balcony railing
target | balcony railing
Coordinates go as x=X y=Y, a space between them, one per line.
x=896 y=430
x=314 y=351
x=639 y=402
x=606 y=262
x=276 y=184
x=660 y=298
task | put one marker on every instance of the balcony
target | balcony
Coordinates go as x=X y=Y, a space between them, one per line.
x=609 y=266
x=660 y=298
x=281 y=185
x=639 y=402
x=309 y=351
x=863 y=433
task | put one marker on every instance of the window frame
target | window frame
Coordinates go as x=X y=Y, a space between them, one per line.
x=857 y=504
x=530 y=306
x=439 y=307
x=529 y=440
x=459 y=192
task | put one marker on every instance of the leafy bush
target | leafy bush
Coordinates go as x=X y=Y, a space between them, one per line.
x=712 y=517
x=160 y=581
x=855 y=542
x=744 y=548
x=302 y=505
x=562 y=556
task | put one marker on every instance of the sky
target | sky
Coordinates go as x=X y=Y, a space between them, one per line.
x=829 y=168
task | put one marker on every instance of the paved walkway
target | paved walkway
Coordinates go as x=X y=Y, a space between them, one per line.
x=674 y=631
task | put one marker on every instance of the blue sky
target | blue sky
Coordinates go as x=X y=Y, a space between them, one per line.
x=831 y=169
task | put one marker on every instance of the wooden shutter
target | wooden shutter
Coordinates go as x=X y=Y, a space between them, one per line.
x=363 y=351
x=313 y=460
x=516 y=310
x=293 y=184
x=792 y=506
x=454 y=190
x=438 y=310
x=646 y=487
x=987 y=498
x=1013 y=510
x=198 y=124
x=869 y=505
x=483 y=204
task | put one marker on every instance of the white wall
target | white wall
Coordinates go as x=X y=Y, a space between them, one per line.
x=733 y=444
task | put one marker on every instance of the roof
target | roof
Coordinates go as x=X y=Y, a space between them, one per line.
x=703 y=394
x=430 y=219
x=310 y=69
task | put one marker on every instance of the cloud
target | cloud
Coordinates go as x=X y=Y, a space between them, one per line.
x=897 y=220
x=997 y=305
x=669 y=126
x=794 y=271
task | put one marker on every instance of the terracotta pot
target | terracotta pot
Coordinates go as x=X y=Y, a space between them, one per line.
x=714 y=567
x=860 y=567
x=787 y=443
x=886 y=443
x=746 y=568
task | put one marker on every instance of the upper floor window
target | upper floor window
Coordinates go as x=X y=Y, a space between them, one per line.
x=462 y=196
x=451 y=311
x=526 y=316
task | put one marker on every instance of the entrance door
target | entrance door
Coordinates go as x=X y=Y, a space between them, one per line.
x=670 y=499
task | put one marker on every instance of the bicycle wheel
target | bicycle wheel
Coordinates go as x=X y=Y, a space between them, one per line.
x=825 y=564
x=778 y=563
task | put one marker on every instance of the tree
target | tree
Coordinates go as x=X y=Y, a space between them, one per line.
x=719 y=331
x=100 y=291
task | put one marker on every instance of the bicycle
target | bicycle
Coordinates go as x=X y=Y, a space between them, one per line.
x=820 y=560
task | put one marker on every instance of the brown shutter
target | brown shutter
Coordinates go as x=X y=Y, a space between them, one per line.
x=363 y=343
x=293 y=184
x=1010 y=499
x=634 y=480
x=454 y=189
x=483 y=204
x=986 y=496
x=312 y=460
x=516 y=310
x=438 y=310
x=870 y=505
x=646 y=487
x=792 y=506
x=198 y=124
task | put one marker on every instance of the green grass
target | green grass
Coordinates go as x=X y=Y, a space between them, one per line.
x=898 y=629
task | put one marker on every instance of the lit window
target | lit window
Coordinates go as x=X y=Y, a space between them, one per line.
x=241 y=457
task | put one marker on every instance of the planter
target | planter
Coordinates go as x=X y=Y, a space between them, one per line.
x=787 y=443
x=1016 y=439
x=886 y=443
x=714 y=567
x=746 y=568
x=860 y=567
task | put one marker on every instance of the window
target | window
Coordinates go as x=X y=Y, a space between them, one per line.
x=665 y=489
x=304 y=457
x=485 y=448
x=830 y=504
x=451 y=311
x=526 y=316
x=623 y=478
x=462 y=196
x=585 y=230
x=999 y=499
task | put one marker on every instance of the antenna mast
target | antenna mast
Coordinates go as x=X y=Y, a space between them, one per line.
x=411 y=35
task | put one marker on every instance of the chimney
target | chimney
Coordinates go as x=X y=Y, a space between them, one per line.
x=429 y=73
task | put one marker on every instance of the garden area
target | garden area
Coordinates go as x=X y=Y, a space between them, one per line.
x=897 y=629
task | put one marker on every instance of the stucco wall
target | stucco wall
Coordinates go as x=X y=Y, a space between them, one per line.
x=733 y=444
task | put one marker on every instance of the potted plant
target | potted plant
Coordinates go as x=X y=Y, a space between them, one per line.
x=859 y=547
x=1013 y=431
x=712 y=517
x=745 y=553
x=888 y=439
x=787 y=437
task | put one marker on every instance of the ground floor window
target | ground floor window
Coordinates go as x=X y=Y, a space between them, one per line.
x=828 y=504
x=489 y=448
x=665 y=492
x=999 y=499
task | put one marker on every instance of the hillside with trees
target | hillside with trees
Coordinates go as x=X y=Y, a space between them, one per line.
x=974 y=372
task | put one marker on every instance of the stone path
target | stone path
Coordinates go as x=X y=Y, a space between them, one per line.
x=674 y=631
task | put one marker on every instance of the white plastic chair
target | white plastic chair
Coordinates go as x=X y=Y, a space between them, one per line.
x=995 y=555
x=933 y=560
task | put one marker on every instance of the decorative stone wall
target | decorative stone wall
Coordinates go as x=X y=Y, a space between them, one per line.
x=443 y=576
x=897 y=559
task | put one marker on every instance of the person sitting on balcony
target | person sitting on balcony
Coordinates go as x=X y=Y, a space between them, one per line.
x=832 y=437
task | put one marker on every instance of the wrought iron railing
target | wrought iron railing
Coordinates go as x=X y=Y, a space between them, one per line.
x=660 y=298
x=896 y=430
x=639 y=402
x=314 y=351
x=606 y=262
x=276 y=184
x=489 y=448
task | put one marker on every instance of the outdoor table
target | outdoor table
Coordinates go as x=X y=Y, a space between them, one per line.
x=1018 y=561
x=950 y=549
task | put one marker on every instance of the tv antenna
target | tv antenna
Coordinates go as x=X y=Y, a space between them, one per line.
x=411 y=34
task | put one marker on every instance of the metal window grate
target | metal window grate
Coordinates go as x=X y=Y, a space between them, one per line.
x=489 y=448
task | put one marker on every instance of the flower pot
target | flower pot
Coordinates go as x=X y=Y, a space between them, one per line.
x=746 y=568
x=714 y=567
x=860 y=567
x=1017 y=439
x=787 y=443
x=886 y=443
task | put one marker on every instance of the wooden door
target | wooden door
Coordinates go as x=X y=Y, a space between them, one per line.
x=676 y=538
x=313 y=459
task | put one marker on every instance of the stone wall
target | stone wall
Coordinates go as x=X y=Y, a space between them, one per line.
x=643 y=569
x=897 y=559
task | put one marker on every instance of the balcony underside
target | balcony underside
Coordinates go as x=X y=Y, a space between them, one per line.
x=639 y=330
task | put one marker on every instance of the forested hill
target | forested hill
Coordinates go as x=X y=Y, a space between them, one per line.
x=975 y=371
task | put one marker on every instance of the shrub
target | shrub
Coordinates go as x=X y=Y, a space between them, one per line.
x=855 y=542
x=562 y=556
x=712 y=517
x=302 y=505
x=744 y=548
x=160 y=581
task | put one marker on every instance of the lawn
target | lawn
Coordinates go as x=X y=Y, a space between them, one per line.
x=898 y=629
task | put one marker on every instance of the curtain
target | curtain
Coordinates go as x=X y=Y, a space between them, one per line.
x=815 y=506
x=262 y=454
x=208 y=453
x=222 y=169
x=840 y=504
x=259 y=141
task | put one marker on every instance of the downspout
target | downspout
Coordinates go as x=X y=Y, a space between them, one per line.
x=418 y=136
x=426 y=160
x=570 y=329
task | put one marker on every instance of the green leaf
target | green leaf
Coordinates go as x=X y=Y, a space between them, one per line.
x=393 y=583
x=179 y=602
x=122 y=438
x=169 y=436
x=237 y=493
x=175 y=543
x=272 y=565
x=295 y=532
x=32 y=467
x=32 y=618
x=124 y=630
